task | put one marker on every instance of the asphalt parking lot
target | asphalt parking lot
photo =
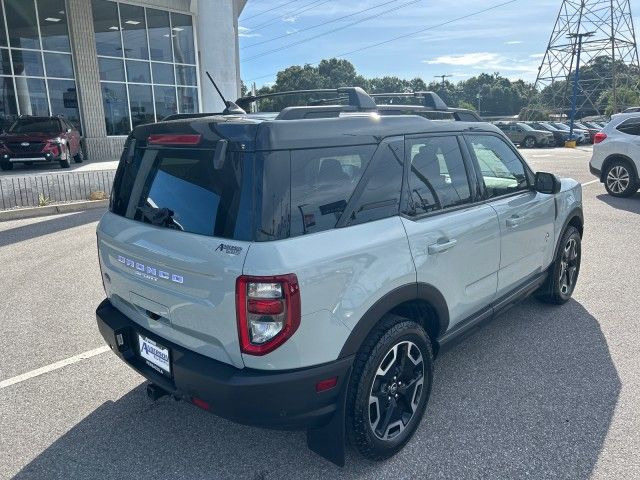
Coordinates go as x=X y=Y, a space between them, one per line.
x=541 y=392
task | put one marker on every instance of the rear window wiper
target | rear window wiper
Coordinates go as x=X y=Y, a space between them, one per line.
x=160 y=217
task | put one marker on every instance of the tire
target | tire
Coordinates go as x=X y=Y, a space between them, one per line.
x=6 y=166
x=397 y=351
x=620 y=179
x=79 y=157
x=529 y=142
x=66 y=163
x=563 y=273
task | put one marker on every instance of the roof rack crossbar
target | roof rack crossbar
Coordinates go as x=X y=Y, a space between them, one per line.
x=357 y=96
x=429 y=99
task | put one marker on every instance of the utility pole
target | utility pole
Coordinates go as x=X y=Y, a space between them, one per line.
x=479 y=97
x=576 y=79
x=442 y=77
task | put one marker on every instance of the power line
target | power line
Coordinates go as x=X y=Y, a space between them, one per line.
x=305 y=40
x=291 y=13
x=318 y=25
x=269 y=10
x=432 y=27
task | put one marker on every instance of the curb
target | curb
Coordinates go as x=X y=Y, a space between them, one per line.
x=21 y=213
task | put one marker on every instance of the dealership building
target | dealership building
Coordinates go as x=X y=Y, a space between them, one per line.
x=108 y=65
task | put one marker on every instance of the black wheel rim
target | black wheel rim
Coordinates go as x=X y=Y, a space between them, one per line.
x=569 y=264
x=396 y=390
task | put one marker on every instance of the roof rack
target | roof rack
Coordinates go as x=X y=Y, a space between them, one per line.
x=429 y=99
x=358 y=100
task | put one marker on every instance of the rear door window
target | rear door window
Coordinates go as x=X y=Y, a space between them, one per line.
x=322 y=182
x=630 y=126
x=180 y=189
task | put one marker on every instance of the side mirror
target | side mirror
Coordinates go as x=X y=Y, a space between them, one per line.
x=69 y=130
x=547 y=183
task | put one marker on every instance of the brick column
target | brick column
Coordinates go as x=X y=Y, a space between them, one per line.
x=88 y=77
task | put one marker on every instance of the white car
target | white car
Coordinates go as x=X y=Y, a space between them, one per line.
x=616 y=155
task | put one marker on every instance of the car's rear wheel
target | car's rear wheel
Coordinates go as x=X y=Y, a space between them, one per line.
x=389 y=388
x=529 y=142
x=563 y=274
x=79 y=157
x=620 y=179
x=6 y=166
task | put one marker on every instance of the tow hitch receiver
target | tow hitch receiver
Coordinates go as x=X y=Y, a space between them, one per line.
x=154 y=392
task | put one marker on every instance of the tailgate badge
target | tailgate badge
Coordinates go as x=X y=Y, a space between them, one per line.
x=229 y=249
x=149 y=272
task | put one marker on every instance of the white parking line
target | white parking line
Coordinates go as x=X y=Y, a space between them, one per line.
x=589 y=183
x=54 y=366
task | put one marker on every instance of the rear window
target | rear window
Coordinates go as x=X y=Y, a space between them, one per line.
x=259 y=196
x=180 y=189
x=35 y=125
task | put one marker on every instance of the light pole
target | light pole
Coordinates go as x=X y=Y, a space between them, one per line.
x=479 y=97
x=576 y=77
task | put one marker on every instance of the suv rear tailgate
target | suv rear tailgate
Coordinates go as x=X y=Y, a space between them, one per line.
x=178 y=285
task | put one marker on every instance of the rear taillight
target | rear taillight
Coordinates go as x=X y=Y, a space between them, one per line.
x=267 y=310
x=174 y=139
x=599 y=137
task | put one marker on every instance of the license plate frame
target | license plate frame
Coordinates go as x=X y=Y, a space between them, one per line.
x=154 y=354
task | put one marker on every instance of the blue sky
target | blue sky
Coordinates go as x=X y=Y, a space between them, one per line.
x=509 y=39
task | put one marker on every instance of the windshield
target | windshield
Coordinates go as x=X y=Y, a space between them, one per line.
x=525 y=127
x=35 y=125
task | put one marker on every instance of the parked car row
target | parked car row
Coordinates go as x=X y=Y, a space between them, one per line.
x=549 y=133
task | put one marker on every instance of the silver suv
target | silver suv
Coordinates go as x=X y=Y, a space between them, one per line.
x=302 y=270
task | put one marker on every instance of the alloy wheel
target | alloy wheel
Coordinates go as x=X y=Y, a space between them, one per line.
x=569 y=263
x=396 y=390
x=618 y=179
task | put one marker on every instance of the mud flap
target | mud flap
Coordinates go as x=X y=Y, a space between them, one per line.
x=329 y=441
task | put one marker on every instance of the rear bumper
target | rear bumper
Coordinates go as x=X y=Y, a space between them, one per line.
x=282 y=399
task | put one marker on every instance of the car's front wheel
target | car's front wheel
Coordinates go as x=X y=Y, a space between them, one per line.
x=563 y=273
x=620 y=179
x=529 y=142
x=389 y=388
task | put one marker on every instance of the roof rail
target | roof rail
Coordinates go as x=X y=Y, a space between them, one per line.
x=429 y=99
x=356 y=96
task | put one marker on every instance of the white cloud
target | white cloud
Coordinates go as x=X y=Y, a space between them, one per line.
x=514 y=42
x=291 y=30
x=246 y=32
x=537 y=55
x=290 y=19
x=466 y=59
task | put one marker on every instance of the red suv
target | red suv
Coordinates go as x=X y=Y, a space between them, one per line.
x=40 y=139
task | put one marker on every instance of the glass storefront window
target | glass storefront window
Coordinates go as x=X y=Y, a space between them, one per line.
x=22 y=23
x=116 y=108
x=53 y=25
x=159 y=35
x=58 y=65
x=134 y=33
x=36 y=73
x=141 y=100
x=147 y=61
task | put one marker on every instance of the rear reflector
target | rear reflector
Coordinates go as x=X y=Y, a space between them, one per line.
x=599 y=137
x=170 y=139
x=328 y=384
x=198 y=402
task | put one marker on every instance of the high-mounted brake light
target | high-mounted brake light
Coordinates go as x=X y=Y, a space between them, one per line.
x=173 y=139
x=599 y=137
x=267 y=311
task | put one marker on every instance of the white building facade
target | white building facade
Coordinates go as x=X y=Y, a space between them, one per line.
x=110 y=65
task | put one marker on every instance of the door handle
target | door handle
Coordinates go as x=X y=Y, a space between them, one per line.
x=514 y=221
x=441 y=247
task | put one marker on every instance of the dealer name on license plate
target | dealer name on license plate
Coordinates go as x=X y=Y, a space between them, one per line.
x=155 y=355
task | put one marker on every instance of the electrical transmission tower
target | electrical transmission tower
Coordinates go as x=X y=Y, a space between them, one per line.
x=608 y=63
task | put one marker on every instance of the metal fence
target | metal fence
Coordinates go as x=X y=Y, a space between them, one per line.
x=38 y=190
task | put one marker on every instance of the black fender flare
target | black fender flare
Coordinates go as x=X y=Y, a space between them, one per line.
x=397 y=296
x=576 y=212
